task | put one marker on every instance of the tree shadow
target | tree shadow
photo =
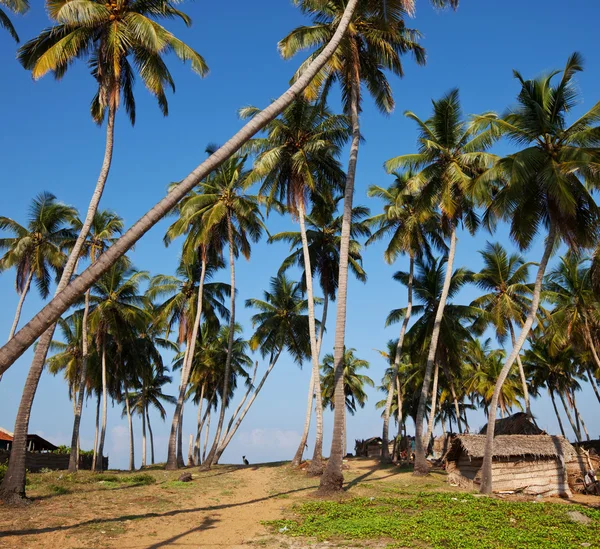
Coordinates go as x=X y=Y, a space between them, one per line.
x=206 y=524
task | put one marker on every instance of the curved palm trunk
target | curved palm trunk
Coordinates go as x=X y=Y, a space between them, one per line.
x=73 y=459
x=560 y=423
x=454 y=397
x=569 y=416
x=316 y=465
x=24 y=293
x=209 y=461
x=434 y=403
x=421 y=465
x=311 y=391
x=100 y=457
x=233 y=430
x=521 y=374
x=333 y=478
x=151 y=437
x=130 y=423
x=206 y=416
x=144 y=453
x=95 y=456
x=579 y=417
x=486 y=470
x=174 y=450
x=390 y=397
x=52 y=311
x=199 y=425
x=206 y=435
x=180 y=462
x=12 y=489
x=592 y=381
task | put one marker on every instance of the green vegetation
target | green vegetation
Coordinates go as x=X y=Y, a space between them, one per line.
x=444 y=521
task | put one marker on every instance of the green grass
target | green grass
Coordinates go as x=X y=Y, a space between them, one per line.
x=444 y=521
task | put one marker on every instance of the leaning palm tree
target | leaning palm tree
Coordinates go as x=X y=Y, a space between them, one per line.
x=11 y=351
x=297 y=158
x=354 y=384
x=323 y=236
x=507 y=301
x=451 y=154
x=16 y=6
x=375 y=42
x=35 y=250
x=412 y=229
x=547 y=183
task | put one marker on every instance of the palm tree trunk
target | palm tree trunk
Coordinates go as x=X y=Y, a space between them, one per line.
x=521 y=374
x=454 y=397
x=199 y=424
x=233 y=430
x=569 y=416
x=206 y=435
x=592 y=381
x=486 y=471
x=24 y=293
x=144 y=454
x=311 y=391
x=190 y=460
x=177 y=424
x=180 y=462
x=100 y=460
x=12 y=489
x=421 y=465
x=579 y=416
x=52 y=311
x=434 y=395
x=73 y=459
x=130 y=423
x=560 y=423
x=224 y=399
x=397 y=359
x=151 y=437
x=316 y=465
x=95 y=457
x=333 y=478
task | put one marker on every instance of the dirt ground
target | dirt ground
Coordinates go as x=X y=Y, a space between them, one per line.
x=223 y=507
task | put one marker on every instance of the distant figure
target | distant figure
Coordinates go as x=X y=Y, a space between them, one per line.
x=246 y=462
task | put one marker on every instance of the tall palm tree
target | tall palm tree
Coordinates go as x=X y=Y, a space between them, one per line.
x=354 y=383
x=228 y=216
x=546 y=183
x=411 y=229
x=116 y=310
x=11 y=351
x=374 y=42
x=504 y=277
x=297 y=158
x=35 y=250
x=323 y=236
x=105 y=227
x=16 y=6
x=450 y=155
x=281 y=324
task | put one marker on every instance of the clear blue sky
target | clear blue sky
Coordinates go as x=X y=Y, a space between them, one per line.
x=49 y=142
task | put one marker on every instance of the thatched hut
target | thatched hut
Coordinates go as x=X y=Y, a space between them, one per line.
x=530 y=464
x=517 y=424
x=371 y=447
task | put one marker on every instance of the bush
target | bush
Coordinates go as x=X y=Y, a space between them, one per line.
x=3 y=468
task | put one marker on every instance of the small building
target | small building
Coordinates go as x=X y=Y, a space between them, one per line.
x=371 y=447
x=517 y=424
x=529 y=464
x=6 y=439
x=35 y=443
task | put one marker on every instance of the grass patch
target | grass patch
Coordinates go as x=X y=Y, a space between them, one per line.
x=443 y=521
x=142 y=479
x=58 y=490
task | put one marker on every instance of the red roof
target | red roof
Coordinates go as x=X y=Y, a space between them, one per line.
x=5 y=436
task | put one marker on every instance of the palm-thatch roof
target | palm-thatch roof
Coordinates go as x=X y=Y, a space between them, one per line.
x=510 y=446
x=517 y=424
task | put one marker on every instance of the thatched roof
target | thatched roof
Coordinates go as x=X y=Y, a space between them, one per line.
x=517 y=424
x=510 y=446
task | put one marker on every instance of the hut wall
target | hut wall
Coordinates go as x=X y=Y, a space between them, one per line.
x=527 y=475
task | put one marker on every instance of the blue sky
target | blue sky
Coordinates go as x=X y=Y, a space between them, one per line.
x=49 y=142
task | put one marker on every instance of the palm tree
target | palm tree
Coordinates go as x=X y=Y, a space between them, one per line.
x=16 y=6
x=35 y=250
x=298 y=157
x=116 y=310
x=449 y=158
x=105 y=227
x=225 y=215
x=546 y=183
x=354 y=383
x=504 y=277
x=411 y=228
x=12 y=350
x=375 y=42
x=281 y=325
x=323 y=236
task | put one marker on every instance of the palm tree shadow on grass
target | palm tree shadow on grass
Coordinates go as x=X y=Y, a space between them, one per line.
x=206 y=524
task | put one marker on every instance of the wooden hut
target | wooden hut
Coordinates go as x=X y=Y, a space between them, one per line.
x=530 y=464
x=371 y=447
x=517 y=424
